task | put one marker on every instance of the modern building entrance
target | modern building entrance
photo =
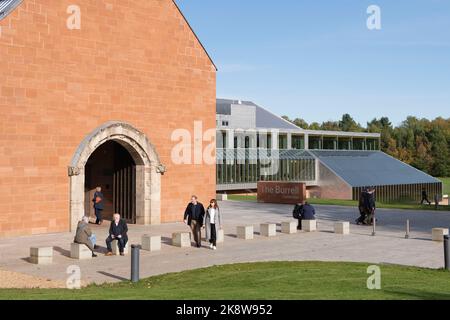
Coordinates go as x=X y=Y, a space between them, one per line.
x=112 y=168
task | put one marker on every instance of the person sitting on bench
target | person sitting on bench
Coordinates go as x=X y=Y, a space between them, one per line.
x=304 y=211
x=117 y=231
x=85 y=236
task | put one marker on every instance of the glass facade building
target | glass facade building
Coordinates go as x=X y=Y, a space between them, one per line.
x=255 y=145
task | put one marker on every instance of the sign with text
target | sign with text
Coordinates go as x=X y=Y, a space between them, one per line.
x=281 y=192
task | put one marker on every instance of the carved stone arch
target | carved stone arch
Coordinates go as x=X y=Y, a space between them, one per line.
x=148 y=171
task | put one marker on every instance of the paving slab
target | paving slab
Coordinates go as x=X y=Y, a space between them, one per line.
x=388 y=246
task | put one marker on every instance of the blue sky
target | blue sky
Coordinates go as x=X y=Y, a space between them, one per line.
x=316 y=59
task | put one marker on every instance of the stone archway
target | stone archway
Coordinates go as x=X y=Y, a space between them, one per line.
x=148 y=171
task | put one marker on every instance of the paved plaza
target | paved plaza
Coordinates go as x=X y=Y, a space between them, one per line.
x=388 y=246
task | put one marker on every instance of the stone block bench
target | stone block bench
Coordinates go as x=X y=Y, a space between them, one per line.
x=309 y=225
x=80 y=251
x=289 y=227
x=268 y=229
x=244 y=232
x=220 y=236
x=115 y=248
x=221 y=197
x=342 y=227
x=439 y=233
x=41 y=255
x=151 y=243
x=181 y=239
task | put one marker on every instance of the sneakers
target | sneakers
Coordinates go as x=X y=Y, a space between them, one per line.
x=214 y=248
x=109 y=254
x=94 y=255
x=211 y=246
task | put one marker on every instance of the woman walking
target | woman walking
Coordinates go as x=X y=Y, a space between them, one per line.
x=212 y=223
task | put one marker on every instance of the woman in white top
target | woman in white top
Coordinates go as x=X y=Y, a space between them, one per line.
x=212 y=222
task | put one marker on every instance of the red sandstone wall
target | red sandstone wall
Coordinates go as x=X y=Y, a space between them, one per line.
x=135 y=61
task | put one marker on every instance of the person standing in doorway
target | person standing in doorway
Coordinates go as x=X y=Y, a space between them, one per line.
x=193 y=217
x=98 y=205
x=212 y=223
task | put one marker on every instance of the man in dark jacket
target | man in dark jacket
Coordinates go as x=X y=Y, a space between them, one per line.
x=117 y=231
x=425 y=197
x=98 y=205
x=297 y=214
x=193 y=217
x=308 y=212
x=305 y=212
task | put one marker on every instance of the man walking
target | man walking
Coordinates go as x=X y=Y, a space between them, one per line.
x=98 y=205
x=193 y=217
x=425 y=197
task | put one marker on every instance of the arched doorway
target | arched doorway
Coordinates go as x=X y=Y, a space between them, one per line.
x=121 y=159
x=112 y=168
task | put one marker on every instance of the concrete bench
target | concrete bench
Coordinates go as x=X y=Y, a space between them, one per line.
x=342 y=227
x=80 y=251
x=221 y=197
x=41 y=255
x=268 y=229
x=181 y=239
x=439 y=233
x=115 y=248
x=220 y=236
x=289 y=227
x=151 y=243
x=309 y=225
x=244 y=232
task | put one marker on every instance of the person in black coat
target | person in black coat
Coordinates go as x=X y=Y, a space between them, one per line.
x=297 y=214
x=425 y=197
x=193 y=217
x=98 y=205
x=304 y=211
x=117 y=231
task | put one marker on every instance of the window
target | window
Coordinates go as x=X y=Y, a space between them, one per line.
x=298 y=142
x=225 y=123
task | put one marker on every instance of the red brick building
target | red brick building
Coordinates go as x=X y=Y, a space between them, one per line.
x=90 y=94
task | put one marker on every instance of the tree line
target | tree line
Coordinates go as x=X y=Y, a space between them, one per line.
x=422 y=143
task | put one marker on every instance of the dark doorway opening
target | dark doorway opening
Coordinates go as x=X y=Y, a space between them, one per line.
x=112 y=168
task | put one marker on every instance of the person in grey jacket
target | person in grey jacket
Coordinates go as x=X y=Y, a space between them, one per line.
x=212 y=223
x=85 y=236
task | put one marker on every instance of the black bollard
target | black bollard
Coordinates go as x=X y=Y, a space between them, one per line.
x=446 y=253
x=135 y=251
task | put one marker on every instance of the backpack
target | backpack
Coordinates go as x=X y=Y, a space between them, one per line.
x=296 y=212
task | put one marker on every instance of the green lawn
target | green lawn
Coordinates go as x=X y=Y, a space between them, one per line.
x=446 y=182
x=351 y=203
x=270 y=280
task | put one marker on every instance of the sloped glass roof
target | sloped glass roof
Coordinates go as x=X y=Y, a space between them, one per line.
x=6 y=6
x=371 y=168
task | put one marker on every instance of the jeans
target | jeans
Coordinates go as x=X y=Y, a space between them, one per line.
x=197 y=232
x=98 y=214
x=93 y=239
x=120 y=242
x=213 y=239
